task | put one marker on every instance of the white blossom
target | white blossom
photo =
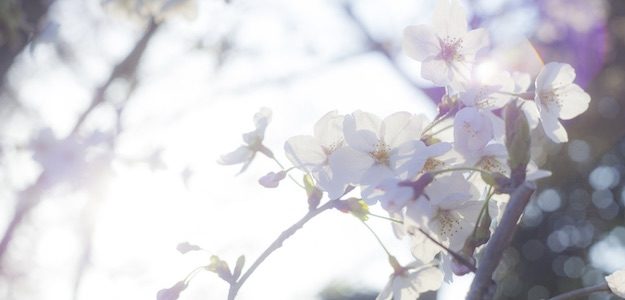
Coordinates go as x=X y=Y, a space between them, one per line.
x=253 y=142
x=557 y=97
x=448 y=212
x=382 y=149
x=312 y=153
x=407 y=283
x=446 y=49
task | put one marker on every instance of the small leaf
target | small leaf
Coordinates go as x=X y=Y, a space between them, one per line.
x=186 y=247
x=238 y=267
x=173 y=292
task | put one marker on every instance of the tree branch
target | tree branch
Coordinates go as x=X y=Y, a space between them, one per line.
x=603 y=287
x=483 y=285
x=235 y=286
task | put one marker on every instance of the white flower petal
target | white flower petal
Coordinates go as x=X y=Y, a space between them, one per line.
x=531 y=114
x=329 y=129
x=241 y=154
x=554 y=75
x=616 y=283
x=436 y=70
x=401 y=127
x=326 y=179
x=472 y=131
x=360 y=130
x=262 y=118
x=474 y=41
x=305 y=152
x=420 y=42
x=349 y=165
x=554 y=129
x=574 y=101
x=376 y=174
x=429 y=279
x=449 y=19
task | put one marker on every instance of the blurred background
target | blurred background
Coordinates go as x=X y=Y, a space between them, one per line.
x=113 y=114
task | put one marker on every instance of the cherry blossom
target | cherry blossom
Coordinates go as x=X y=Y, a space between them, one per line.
x=410 y=281
x=448 y=211
x=557 y=97
x=312 y=153
x=446 y=49
x=253 y=143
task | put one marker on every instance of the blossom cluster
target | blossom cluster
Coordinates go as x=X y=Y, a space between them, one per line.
x=444 y=182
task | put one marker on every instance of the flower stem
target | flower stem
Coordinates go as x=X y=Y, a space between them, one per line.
x=287 y=170
x=235 y=286
x=386 y=218
x=376 y=237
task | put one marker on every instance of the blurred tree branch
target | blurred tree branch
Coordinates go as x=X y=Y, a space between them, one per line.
x=31 y=196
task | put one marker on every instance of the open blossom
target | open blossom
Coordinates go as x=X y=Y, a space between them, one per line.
x=557 y=97
x=312 y=153
x=446 y=49
x=489 y=93
x=381 y=149
x=253 y=143
x=616 y=283
x=410 y=281
x=447 y=211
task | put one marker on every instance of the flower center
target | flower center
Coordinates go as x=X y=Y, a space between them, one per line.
x=330 y=149
x=449 y=224
x=490 y=163
x=381 y=154
x=432 y=164
x=468 y=129
x=450 y=49
x=550 y=97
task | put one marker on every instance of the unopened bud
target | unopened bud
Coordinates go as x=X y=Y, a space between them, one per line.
x=173 y=292
x=356 y=207
x=272 y=179
x=220 y=267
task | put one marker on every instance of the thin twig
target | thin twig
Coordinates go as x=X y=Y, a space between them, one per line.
x=603 y=287
x=235 y=286
x=481 y=288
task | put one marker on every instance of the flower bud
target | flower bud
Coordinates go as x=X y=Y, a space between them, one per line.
x=272 y=179
x=220 y=267
x=173 y=292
